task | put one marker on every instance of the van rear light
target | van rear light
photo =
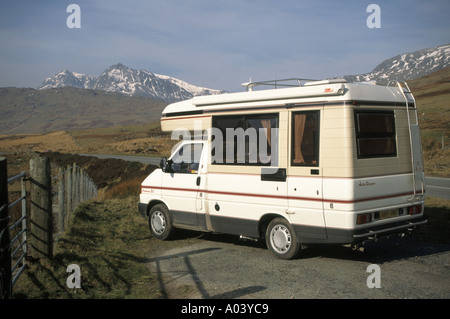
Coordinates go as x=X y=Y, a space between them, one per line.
x=416 y=209
x=363 y=218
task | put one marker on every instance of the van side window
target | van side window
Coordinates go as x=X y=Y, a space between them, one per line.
x=244 y=139
x=305 y=138
x=187 y=158
x=375 y=134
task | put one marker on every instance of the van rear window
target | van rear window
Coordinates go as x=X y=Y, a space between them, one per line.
x=375 y=134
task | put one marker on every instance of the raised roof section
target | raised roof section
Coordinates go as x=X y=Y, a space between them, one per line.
x=291 y=92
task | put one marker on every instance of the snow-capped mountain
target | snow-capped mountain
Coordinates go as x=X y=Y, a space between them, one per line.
x=119 y=78
x=67 y=78
x=407 y=66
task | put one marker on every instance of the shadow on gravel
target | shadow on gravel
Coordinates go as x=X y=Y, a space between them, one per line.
x=379 y=251
x=191 y=271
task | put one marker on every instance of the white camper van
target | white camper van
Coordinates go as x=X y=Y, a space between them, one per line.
x=315 y=162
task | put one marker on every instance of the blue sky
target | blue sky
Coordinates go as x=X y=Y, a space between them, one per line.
x=213 y=43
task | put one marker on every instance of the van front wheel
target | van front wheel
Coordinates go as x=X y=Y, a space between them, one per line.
x=159 y=222
x=281 y=239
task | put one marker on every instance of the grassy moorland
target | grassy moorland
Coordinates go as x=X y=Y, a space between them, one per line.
x=432 y=94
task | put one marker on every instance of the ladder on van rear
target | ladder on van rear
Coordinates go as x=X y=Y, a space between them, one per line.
x=415 y=142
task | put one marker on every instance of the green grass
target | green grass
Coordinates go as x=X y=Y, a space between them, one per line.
x=109 y=240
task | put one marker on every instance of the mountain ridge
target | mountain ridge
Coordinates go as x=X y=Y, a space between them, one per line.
x=122 y=79
x=407 y=66
x=119 y=78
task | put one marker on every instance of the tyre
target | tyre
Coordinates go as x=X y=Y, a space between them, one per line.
x=281 y=240
x=159 y=222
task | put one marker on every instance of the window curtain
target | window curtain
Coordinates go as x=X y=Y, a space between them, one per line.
x=299 y=129
x=267 y=125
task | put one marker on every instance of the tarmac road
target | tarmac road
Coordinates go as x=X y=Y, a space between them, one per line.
x=437 y=187
x=141 y=159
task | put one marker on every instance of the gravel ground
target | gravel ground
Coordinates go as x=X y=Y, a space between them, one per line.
x=209 y=266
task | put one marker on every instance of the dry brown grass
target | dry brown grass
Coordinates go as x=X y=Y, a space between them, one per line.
x=56 y=141
x=132 y=140
x=127 y=188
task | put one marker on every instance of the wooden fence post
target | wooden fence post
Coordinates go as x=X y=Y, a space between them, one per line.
x=69 y=193
x=82 y=186
x=75 y=187
x=41 y=223
x=5 y=248
x=61 y=199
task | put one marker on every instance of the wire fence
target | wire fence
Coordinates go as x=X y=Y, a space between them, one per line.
x=47 y=204
x=71 y=186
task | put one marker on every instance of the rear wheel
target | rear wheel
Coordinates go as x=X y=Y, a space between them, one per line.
x=281 y=240
x=159 y=222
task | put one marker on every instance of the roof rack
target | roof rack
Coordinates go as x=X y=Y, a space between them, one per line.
x=282 y=83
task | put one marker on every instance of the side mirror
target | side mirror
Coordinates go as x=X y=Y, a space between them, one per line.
x=165 y=165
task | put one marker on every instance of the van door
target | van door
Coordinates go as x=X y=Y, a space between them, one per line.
x=181 y=183
x=305 y=198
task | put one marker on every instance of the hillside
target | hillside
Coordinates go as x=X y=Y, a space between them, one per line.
x=432 y=94
x=26 y=110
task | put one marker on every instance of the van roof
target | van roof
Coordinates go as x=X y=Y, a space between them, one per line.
x=311 y=91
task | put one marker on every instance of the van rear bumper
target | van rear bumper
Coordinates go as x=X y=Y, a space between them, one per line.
x=406 y=226
x=354 y=236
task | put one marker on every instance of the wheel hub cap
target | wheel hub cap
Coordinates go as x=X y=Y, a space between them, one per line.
x=158 y=222
x=280 y=238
